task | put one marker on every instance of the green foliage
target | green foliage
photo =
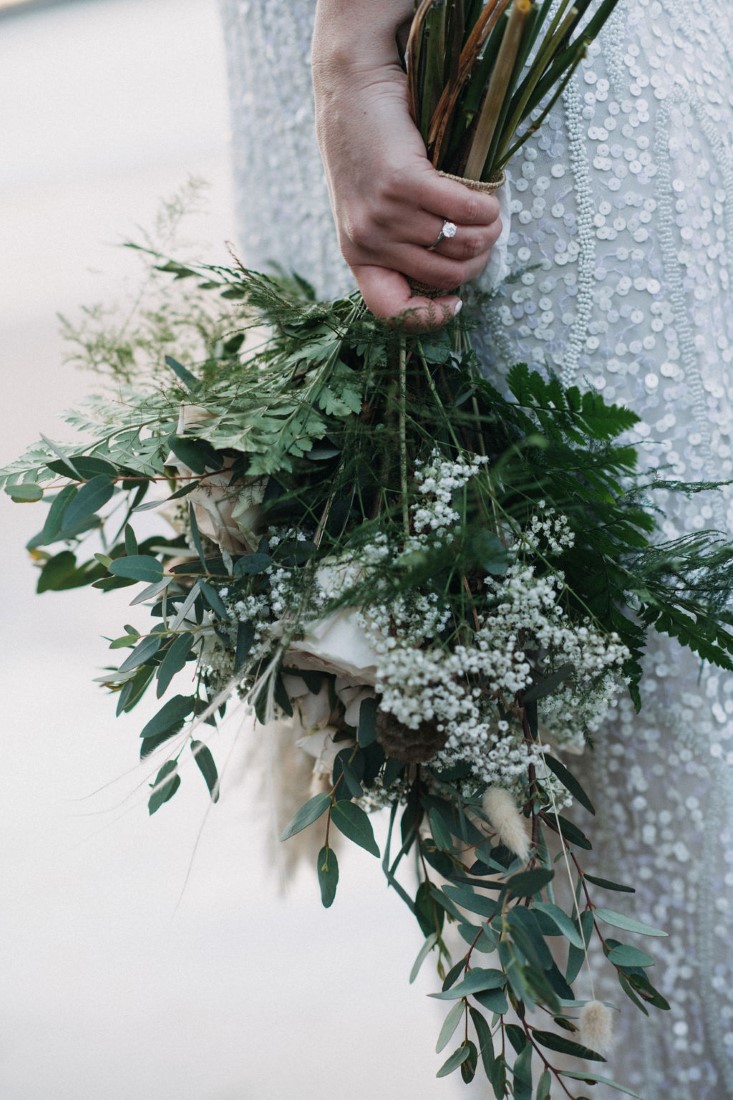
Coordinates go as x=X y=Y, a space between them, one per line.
x=351 y=820
x=328 y=875
x=313 y=809
x=312 y=426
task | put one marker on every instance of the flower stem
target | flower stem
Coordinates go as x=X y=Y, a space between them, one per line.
x=403 y=435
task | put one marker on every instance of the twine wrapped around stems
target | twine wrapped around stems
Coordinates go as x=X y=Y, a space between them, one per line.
x=486 y=187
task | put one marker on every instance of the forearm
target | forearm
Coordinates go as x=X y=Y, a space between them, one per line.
x=359 y=32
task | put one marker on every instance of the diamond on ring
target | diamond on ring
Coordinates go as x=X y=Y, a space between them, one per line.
x=447 y=231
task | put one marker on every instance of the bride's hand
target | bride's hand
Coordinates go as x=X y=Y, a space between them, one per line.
x=389 y=202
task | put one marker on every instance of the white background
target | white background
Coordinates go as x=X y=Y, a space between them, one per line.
x=117 y=982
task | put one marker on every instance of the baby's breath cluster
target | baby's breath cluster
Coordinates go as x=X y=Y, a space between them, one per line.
x=437 y=481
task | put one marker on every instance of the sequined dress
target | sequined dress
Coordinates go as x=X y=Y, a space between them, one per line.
x=621 y=249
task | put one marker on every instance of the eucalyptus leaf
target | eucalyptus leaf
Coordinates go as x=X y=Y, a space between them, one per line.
x=138 y=567
x=423 y=953
x=626 y=955
x=205 y=762
x=450 y=1024
x=354 y=823
x=568 y=781
x=24 y=492
x=170 y=717
x=457 y=1058
x=367 y=729
x=598 y=1079
x=477 y=980
x=561 y=920
x=91 y=497
x=167 y=782
x=328 y=876
x=313 y=809
x=174 y=660
x=629 y=924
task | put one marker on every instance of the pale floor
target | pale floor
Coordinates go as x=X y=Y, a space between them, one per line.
x=111 y=989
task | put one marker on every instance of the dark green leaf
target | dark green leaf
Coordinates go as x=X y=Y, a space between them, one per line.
x=495 y=1000
x=354 y=823
x=570 y=831
x=174 y=660
x=90 y=498
x=596 y=1078
x=440 y=832
x=546 y=686
x=54 y=519
x=561 y=921
x=167 y=782
x=24 y=492
x=625 y=955
x=607 y=884
x=207 y=767
x=251 y=564
x=528 y=883
x=313 y=809
x=184 y=375
x=456 y=1059
x=476 y=981
x=245 y=641
x=139 y=567
x=472 y=900
x=563 y=1045
x=133 y=691
x=57 y=571
x=485 y=1041
x=522 y=1070
x=468 y=1068
x=629 y=924
x=516 y=1037
x=131 y=547
x=498 y=1077
x=170 y=717
x=450 y=1024
x=148 y=745
x=196 y=454
x=328 y=875
x=423 y=953
x=641 y=985
x=367 y=731
x=214 y=600
x=576 y=954
x=528 y=937
x=142 y=653
x=350 y=772
x=568 y=781
x=83 y=467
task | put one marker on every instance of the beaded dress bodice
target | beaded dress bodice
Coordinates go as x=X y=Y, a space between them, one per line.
x=621 y=250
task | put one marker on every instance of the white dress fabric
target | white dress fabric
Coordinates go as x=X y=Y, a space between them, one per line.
x=621 y=249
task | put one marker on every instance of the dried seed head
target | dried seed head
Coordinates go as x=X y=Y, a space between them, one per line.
x=411 y=746
x=506 y=820
x=596 y=1027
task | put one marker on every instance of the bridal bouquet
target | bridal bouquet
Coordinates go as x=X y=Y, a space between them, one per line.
x=440 y=586
x=443 y=587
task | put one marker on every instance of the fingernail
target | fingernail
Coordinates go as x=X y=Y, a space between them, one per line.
x=457 y=307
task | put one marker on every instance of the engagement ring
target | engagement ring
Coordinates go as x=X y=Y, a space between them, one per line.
x=447 y=230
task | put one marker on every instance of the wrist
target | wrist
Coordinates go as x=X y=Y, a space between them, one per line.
x=345 y=39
